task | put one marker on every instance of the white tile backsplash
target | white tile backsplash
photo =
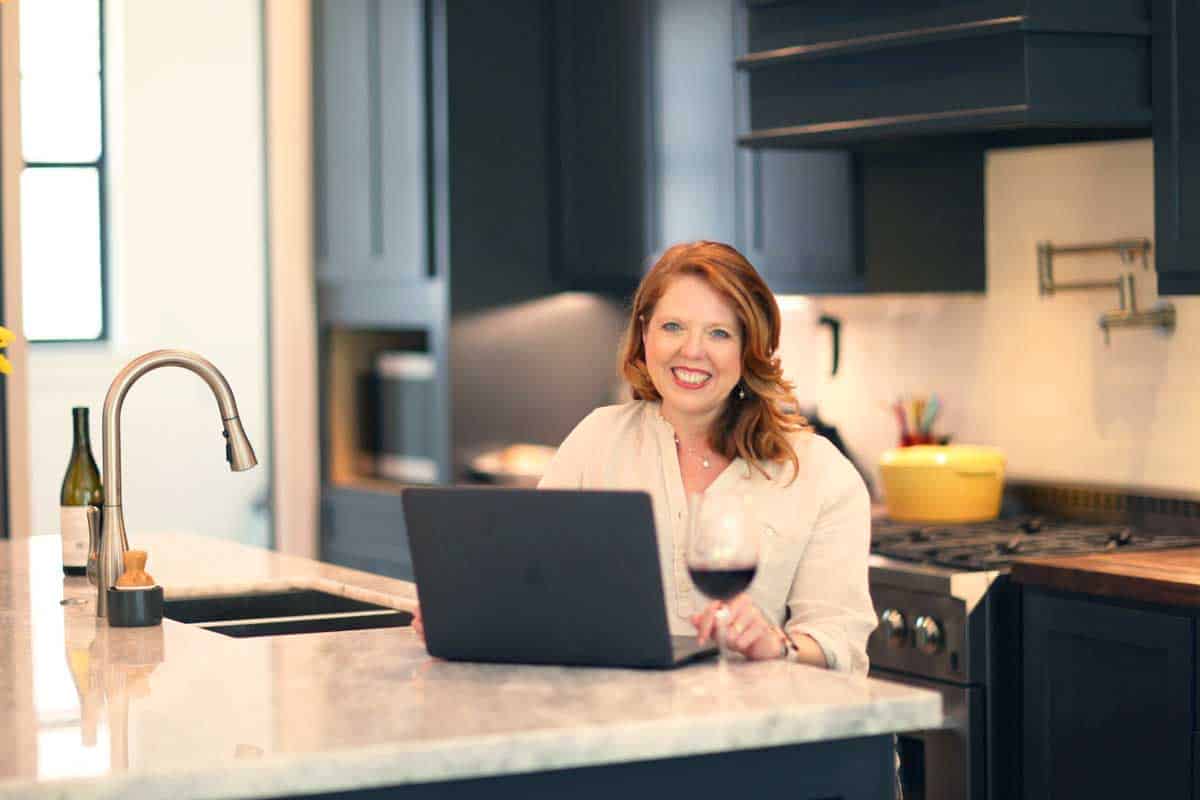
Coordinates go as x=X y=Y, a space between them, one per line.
x=1028 y=374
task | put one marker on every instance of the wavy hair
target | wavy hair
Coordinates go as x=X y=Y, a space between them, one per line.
x=755 y=428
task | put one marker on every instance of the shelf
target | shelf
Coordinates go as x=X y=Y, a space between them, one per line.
x=381 y=304
x=1018 y=125
x=1012 y=84
x=862 y=44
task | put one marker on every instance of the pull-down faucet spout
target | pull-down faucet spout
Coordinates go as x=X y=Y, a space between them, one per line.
x=238 y=451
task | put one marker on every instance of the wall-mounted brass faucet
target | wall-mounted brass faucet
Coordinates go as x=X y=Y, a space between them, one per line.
x=1127 y=315
x=238 y=452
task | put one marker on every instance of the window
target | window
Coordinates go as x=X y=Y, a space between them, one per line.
x=62 y=185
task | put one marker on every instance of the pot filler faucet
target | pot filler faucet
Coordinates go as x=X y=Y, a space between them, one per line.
x=238 y=452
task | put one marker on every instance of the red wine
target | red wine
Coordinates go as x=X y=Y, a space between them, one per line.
x=722 y=584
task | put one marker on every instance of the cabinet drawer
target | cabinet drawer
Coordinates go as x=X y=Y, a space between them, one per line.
x=365 y=530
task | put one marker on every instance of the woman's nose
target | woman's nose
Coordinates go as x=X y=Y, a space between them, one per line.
x=693 y=345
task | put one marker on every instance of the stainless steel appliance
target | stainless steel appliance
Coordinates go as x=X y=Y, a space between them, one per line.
x=949 y=619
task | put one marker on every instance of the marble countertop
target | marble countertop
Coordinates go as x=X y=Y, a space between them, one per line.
x=178 y=711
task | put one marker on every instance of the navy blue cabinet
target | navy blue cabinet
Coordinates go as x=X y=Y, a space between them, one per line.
x=365 y=530
x=1109 y=704
x=602 y=141
x=435 y=198
x=894 y=217
x=372 y=153
x=821 y=74
x=1176 y=56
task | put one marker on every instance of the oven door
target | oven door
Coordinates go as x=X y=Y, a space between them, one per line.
x=947 y=763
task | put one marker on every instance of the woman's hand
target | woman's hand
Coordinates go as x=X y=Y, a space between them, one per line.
x=418 y=625
x=748 y=631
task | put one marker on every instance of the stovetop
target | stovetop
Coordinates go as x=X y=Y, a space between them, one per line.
x=995 y=544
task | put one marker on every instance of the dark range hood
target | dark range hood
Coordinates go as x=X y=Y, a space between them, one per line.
x=877 y=72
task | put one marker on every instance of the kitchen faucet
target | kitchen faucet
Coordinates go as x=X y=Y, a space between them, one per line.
x=238 y=452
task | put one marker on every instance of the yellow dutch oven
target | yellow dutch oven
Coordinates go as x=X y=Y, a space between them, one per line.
x=942 y=483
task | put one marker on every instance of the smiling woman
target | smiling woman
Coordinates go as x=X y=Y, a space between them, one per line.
x=709 y=418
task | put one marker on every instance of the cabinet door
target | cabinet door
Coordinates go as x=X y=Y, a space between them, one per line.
x=603 y=135
x=370 y=113
x=1107 y=700
x=365 y=530
x=799 y=210
x=800 y=215
x=1175 y=52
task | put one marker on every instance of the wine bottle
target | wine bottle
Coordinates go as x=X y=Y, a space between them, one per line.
x=80 y=489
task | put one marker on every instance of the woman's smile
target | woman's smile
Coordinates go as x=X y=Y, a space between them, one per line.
x=690 y=378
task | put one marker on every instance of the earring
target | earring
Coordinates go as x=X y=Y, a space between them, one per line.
x=741 y=392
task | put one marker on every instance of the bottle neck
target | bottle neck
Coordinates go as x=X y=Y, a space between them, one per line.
x=82 y=438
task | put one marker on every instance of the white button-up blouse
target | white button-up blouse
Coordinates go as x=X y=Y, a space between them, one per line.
x=815 y=531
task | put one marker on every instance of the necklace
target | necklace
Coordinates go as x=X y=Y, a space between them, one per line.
x=704 y=462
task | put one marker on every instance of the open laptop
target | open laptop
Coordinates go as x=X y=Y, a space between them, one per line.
x=537 y=576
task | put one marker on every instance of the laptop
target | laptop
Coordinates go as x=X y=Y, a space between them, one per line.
x=541 y=576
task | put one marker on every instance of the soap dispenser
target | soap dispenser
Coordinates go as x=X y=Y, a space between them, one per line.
x=135 y=600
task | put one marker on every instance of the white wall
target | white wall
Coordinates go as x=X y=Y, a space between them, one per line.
x=187 y=270
x=1029 y=374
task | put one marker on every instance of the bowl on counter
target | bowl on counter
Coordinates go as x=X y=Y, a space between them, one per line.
x=942 y=483
x=518 y=465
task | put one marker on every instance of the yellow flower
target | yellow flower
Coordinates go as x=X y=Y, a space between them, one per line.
x=6 y=337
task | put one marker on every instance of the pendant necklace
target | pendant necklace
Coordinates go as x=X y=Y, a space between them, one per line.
x=703 y=459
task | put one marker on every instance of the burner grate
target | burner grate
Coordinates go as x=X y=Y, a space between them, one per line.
x=994 y=545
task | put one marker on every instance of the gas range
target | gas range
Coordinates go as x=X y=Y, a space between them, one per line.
x=950 y=620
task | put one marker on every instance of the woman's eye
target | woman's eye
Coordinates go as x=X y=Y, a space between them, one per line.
x=672 y=326
x=721 y=333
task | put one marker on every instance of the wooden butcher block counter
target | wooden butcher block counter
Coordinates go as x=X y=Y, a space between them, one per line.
x=1163 y=577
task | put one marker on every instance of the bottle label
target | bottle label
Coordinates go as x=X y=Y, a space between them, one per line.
x=75 y=535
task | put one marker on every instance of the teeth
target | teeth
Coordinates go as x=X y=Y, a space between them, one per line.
x=687 y=376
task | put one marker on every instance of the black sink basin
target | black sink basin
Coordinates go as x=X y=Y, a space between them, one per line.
x=291 y=603
x=285 y=612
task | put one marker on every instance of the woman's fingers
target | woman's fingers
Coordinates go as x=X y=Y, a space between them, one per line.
x=747 y=630
x=747 y=633
x=750 y=633
x=746 y=624
x=705 y=621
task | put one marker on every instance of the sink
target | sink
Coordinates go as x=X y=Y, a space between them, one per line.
x=283 y=612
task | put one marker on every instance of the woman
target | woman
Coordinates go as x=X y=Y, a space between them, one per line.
x=709 y=416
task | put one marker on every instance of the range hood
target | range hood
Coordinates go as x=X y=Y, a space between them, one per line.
x=870 y=72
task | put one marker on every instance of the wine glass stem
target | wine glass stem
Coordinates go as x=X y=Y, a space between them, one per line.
x=722 y=625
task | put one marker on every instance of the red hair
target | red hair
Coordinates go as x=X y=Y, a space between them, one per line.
x=755 y=428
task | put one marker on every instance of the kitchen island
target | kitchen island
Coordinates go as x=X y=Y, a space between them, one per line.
x=179 y=711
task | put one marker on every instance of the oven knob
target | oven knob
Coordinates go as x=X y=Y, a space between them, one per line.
x=895 y=627
x=928 y=634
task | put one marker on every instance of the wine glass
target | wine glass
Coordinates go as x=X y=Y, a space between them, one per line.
x=722 y=551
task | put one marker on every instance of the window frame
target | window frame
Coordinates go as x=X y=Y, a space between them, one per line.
x=101 y=167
